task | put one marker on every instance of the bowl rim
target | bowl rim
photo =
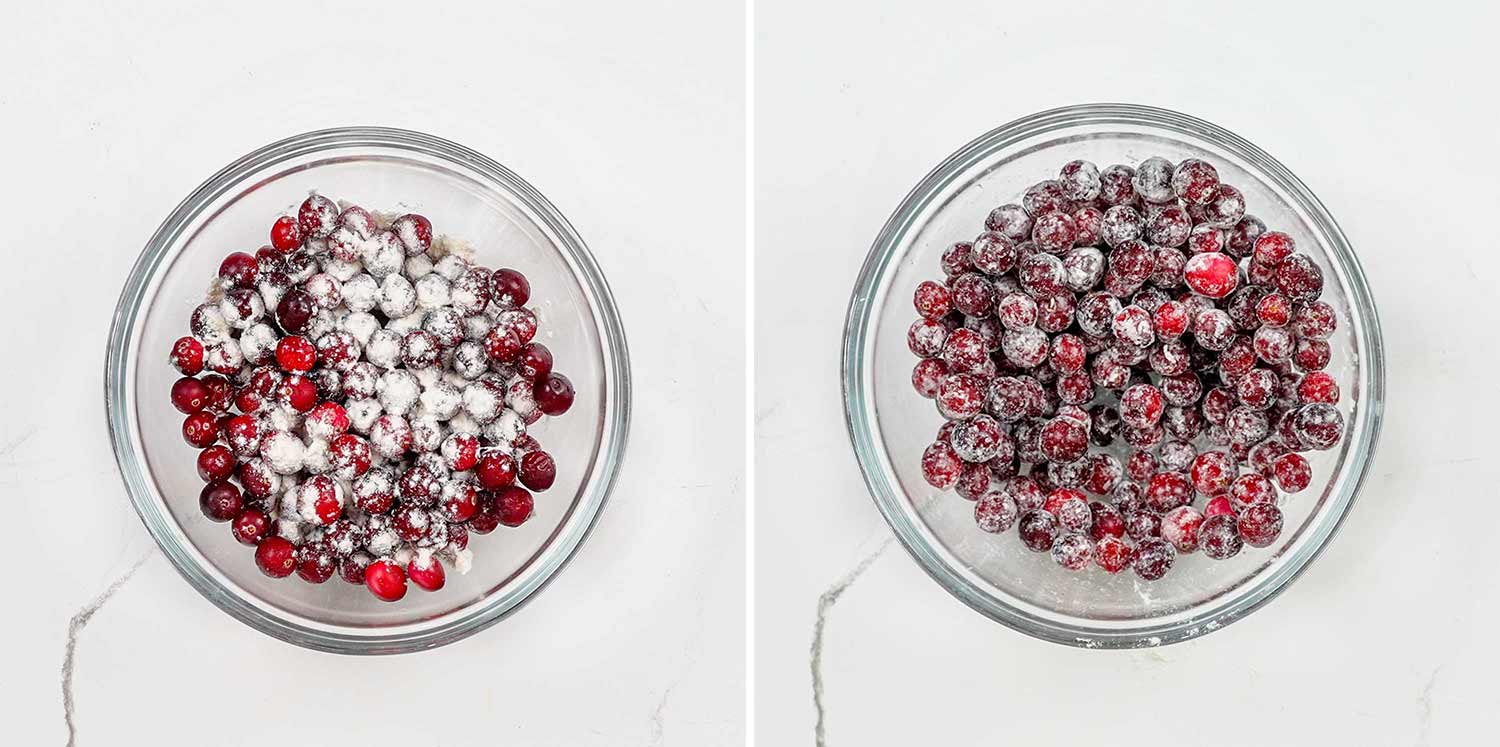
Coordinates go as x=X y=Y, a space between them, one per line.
x=893 y=503
x=407 y=637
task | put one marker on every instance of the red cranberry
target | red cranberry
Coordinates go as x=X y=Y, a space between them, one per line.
x=460 y=501
x=496 y=471
x=1153 y=558
x=1292 y=472
x=1260 y=524
x=410 y=522
x=350 y=456
x=1107 y=521
x=1249 y=489
x=1213 y=471
x=296 y=354
x=509 y=288
x=1318 y=387
x=1112 y=553
x=295 y=311
x=534 y=362
x=215 y=463
x=554 y=394
x=298 y=393
x=1312 y=355
x=1299 y=279
x=1054 y=232
x=250 y=527
x=426 y=571
x=190 y=395
x=932 y=300
x=239 y=270
x=514 y=505
x=386 y=580
x=995 y=511
x=1038 y=530
x=317 y=216
x=201 y=429
x=1181 y=526
x=315 y=564
x=1168 y=490
x=187 y=356
x=374 y=492
x=276 y=557
x=538 y=470
x=1141 y=406
x=1211 y=274
x=1064 y=439
x=1073 y=551
x=1220 y=536
x=286 y=234
x=220 y=501
x=414 y=232
x=1318 y=425
x=1219 y=504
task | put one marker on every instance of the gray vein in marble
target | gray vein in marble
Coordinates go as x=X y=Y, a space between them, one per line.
x=75 y=627
x=658 y=724
x=1424 y=703
x=825 y=604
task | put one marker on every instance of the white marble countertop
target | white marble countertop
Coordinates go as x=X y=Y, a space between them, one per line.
x=115 y=113
x=1387 y=639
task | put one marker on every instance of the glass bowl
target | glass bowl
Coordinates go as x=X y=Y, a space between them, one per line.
x=890 y=424
x=467 y=196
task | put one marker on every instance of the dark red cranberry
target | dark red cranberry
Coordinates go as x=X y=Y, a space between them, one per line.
x=509 y=288
x=410 y=522
x=1220 y=536
x=1153 y=558
x=538 y=470
x=1312 y=355
x=514 y=505
x=386 y=580
x=534 y=362
x=414 y=232
x=295 y=311
x=1318 y=425
x=250 y=527
x=554 y=394
x=315 y=564
x=317 y=216
x=1038 y=530
x=190 y=395
x=1107 y=521
x=418 y=486
x=276 y=557
x=352 y=568
x=220 y=501
x=215 y=463
x=1299 y=279
x=201 y=429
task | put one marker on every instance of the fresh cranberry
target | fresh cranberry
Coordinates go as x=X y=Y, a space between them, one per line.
x=414 y=232
x=1220 y=536
x=410 y=522
x=1318 y=425
x=298 y=393
x=296 y=354
x=1112 y=553
x=1073 y=551
x=239 y=270
x=352 y=568
x=190 y=395
x=187 y=356
x=1260 y=524
x=514 y=505
x=1168 y=490
x=1181 y=526
x=317 y=216
x=426 y=571
x=1291 y=472
x=1213 y=471
x=374 y=492
x=1153 y=558
x=496 y=471
x=323 y=497
x=315 y=564
x=1211 y=274
x=1318 y=386
x=534 y=362
x=940 y=465
x=933 y=301
x=201 y=429
x=1219 y=504
x=286 y=234
x=460 y=501
x=350 y=456
x=1038 y=530
x=1107 y=521
x=553 y=394
x=220 y=501
x=215 y=463
x=295 y=311
x=276 y=557
x=509 y=288
x=1312 y=355
x=386 y=580
x=1299 y=279
x=538 y=470
x=250 y=527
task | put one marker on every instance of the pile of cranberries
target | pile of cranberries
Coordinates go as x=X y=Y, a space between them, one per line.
x=360 y=395
x=1130 y=334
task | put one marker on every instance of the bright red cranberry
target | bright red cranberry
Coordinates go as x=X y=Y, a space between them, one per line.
x=1168 y=490
x=1181 y=526
x=250 y=527
x=1171 y=320
x=1260 y=524
x=941 y=465
x=201 y=429
x=386 y=580
x=350 y=456
x=534 y=362
x=1220 y=536
x=1141 y=406
x=426 y=571
x=1107 y=521
x=1312 y=355
x=414 y=232
x=215 y=463
x=509 y=288
x=1274 y=310
x=295 y=311
x=187 y=356
x=276 y=557
x=286 y=234
x=220 y=501
x=1153 y=558
x=239 y=270
x=1112 y=553
x=1219 y=504
x=460 y=501
x=502 y=344
x=315 y=563
x=514 y=505
x=1141 y=466
x=1211 y=274
x=190 y=395
x=554 y=394
x=296 y=354
x=1273 y=247
x=1318 y=386
x=496 y=471
x=1064 y=439
x=298 y=393
x=1038 y=530
x=1249 y=489
x=1213 y=471
x=1291 y=472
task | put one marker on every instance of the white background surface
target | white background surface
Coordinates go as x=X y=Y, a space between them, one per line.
x=1389 y=636
x=114 y=113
